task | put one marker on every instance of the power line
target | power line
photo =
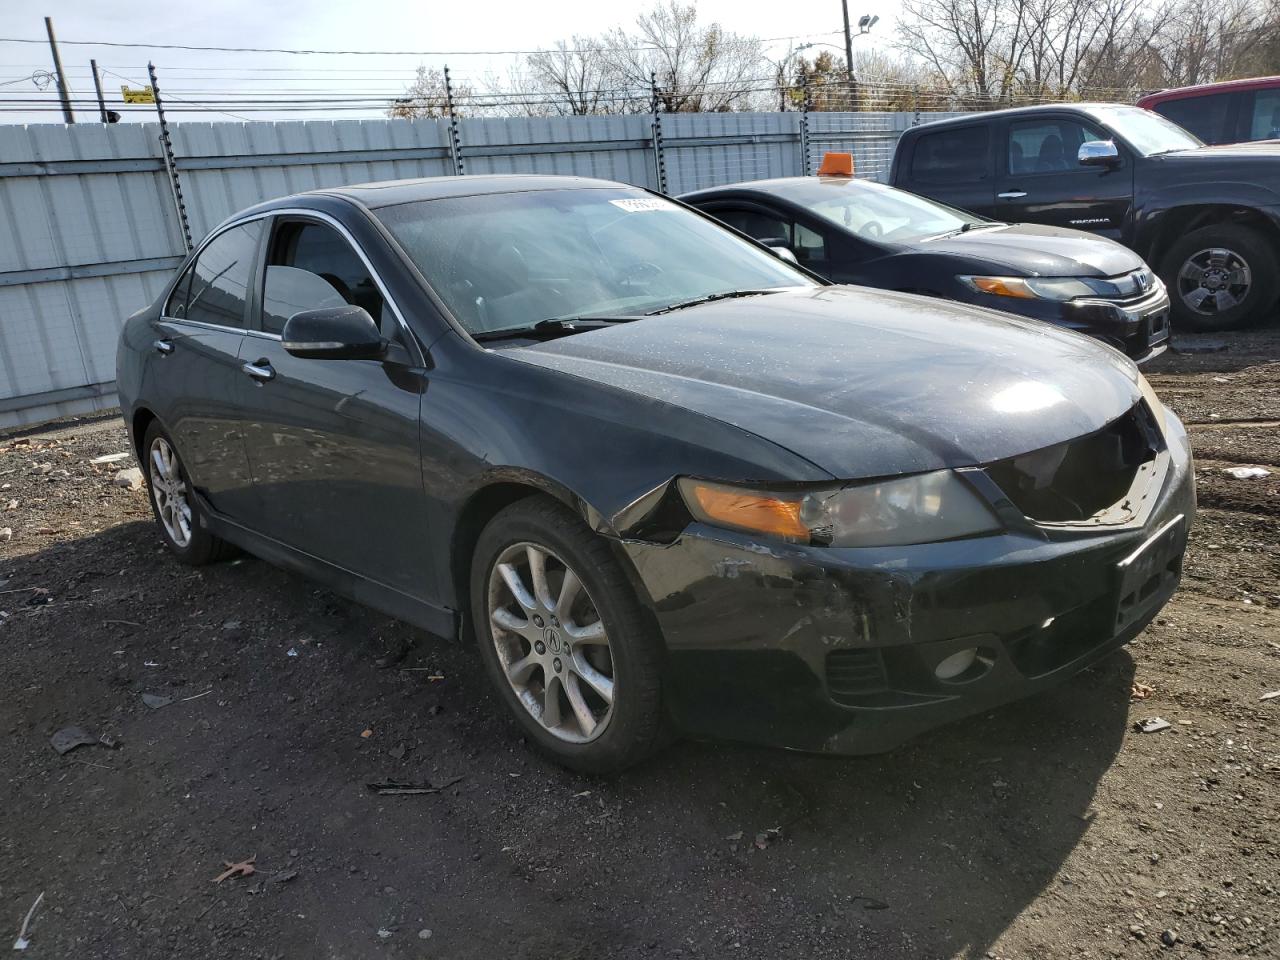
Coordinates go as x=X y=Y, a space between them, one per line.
x=376 y=53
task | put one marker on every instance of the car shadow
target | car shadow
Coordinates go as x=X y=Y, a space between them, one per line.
x=932 y=850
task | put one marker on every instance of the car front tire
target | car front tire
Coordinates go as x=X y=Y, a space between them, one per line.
x=1220 y=277
x=172 y=503
x=571 y=652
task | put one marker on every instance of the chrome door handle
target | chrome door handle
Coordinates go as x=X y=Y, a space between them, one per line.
x=163 y=346
x=1012 y=195
x=261 y=370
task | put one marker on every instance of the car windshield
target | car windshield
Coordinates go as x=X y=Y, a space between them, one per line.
x=1147 y=132
x=508 y=260
x=874 y=211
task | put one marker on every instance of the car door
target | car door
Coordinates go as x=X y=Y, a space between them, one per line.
x=333 y=444
x=1041 y=179
x=195 y=376
x=954 y=165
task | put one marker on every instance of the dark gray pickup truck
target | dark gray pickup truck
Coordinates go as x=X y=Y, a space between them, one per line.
x=1206 y=218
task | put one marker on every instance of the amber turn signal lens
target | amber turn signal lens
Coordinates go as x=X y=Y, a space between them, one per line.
x=1004 y=287
x=750 y=511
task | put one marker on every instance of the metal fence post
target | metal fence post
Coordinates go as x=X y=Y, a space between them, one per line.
x=659 y=159
x=170 y=162
x=804 y=123
x=455 y=141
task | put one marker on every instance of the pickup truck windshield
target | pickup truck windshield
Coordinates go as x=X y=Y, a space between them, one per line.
x=874 y=211
x=1147 y=132
x=506 y=260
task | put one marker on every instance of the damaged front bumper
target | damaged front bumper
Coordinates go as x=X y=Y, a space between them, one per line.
x=855 y=650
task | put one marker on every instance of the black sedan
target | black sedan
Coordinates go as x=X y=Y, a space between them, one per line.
x=664 y=479
x=857 y=231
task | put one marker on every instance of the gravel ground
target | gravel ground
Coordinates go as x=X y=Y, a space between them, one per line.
x=1050 y=828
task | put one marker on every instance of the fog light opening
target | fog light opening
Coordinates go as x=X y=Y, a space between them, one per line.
x=956 y=664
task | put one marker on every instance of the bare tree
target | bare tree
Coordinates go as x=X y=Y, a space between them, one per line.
x=425 y=96
x=578 y=78
x=699 y=69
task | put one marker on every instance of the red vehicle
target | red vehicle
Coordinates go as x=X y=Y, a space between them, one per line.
x=1230 y=112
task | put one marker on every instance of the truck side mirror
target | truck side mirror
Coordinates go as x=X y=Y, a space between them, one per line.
x=1098 y=153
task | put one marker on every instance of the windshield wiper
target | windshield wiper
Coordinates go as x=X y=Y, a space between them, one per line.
x=551 y=325
x=710 y=298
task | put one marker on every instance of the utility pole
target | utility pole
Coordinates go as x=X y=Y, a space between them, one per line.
x=97 y=85
x=63 y=90
x=848 y=57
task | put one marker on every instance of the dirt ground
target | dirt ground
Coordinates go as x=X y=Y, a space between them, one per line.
x=1050 y=828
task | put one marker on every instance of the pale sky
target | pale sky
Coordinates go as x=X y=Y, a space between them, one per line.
x=366 y=25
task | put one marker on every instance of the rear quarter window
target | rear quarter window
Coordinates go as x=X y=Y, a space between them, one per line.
x=956 y=155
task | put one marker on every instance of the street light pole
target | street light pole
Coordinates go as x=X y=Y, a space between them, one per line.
x=848 y=56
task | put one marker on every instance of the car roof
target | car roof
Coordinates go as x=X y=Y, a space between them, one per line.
x=1012 y=112
x=1202 y=89
x=388 y=193
x=764 y=186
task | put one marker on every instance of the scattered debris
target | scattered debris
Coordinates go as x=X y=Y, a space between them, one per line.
x=735 y=836
x=121 y=623
x=23 y=942
x=151 y=663
x=245 y=868
x=284 y=876
x=68 y=738
x=384 y=933
x=1247 y=473
x=1168 y=938
x=130 y=479
x=1269 y=696
x=293 y=652
x=399 y=788
x=1140 y=691
x=110 y=458
x=870 y=903
x=1185 y=344
x=767 y=836
x=11 y=505
x=6 y=533
x=424 y=934
x=155 y=701
x=198 y=695
x=1152 y=725
x=366 y=734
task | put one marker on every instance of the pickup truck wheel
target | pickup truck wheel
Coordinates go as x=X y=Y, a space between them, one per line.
x=1220 y=277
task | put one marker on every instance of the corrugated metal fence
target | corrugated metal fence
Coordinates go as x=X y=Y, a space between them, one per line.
x=89 y=231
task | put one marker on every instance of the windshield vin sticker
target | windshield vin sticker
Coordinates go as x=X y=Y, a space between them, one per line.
x=640 y=204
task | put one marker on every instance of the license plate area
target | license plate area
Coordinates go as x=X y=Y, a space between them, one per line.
x=1150 y=572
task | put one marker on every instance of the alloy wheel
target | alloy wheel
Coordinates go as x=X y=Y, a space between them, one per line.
x=169 y=490
x=551 y=642
x=1214 y=281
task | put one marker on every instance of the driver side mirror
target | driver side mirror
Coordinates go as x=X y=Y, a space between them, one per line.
x=333 y=333
x=1098 y=153
x=781 y=249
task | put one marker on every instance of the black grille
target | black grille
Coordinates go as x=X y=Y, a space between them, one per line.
x=855 y=671
x=1076 y=481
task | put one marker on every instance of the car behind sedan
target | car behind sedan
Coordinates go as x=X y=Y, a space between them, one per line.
x=663 y=478
x=858 y=231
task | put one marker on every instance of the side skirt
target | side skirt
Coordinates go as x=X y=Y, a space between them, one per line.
x=438 y=620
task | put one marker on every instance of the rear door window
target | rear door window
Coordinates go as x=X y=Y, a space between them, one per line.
x=221 y=276
x=956 y=155
x=1047 y=146
x=1211 y=118
x=312 y=266
x=1264 y=120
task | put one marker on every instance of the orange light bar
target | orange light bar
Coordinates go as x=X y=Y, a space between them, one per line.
x=749 y=511
x=836 y=165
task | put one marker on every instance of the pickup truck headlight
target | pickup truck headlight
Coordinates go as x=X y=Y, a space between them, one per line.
x=1030 y=288
x=924 y=508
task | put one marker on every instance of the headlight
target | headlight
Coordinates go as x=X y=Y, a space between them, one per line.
x=920 y=509
x=1030 y=288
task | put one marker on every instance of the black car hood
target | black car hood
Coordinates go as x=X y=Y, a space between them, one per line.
x=861 y=382
x=1028 y=249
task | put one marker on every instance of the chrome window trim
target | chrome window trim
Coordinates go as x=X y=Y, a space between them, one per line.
x=286 y=211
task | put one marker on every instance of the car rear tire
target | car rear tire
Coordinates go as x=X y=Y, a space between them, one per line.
x=172 y=504
x=570 y=651
x=1220 y=277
